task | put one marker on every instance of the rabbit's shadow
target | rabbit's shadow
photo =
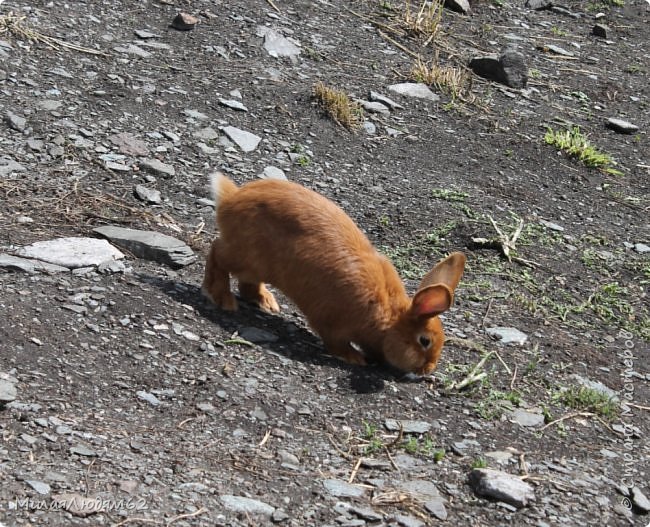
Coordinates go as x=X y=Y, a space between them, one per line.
x=294 y=341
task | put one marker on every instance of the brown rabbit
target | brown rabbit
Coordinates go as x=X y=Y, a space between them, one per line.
x=295 y=239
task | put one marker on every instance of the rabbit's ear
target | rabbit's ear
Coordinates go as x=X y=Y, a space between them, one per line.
x=431 y=301
x=446 y=272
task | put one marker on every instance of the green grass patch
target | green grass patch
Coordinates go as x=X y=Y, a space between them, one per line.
x=589 y=400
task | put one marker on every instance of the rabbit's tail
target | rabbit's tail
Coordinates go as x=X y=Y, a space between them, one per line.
x=222 y=188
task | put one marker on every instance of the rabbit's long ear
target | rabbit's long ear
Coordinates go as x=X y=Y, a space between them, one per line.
x=431 y=301
x=446 y=272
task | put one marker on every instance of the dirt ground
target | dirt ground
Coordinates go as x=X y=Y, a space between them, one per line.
x=136 y=394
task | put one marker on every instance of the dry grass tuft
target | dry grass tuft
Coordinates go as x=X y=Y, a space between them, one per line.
x=425 y=20
x=448 y=79
x=339 y=106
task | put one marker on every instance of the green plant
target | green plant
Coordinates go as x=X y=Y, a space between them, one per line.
x=589 y=399
x=373 y=442
x=411 y=445
x=450 y=195
x=479 y=462
x=439 y=455
x=493 y=405
x=576 y=144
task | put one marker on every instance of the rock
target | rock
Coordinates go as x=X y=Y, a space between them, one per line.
x=621 y=126
x=552 y=226
x=374 y=107
x=78 y=505
x=8 y=391
x=157 y=167
x=233 y=104
x=414 y=89
x=73 y=253
x=29 y=266
x=408 y=521
x=436 y=508
x=507 y=335
x=407 y=426
x=148 y=397
x=366 y=513
x=257 y=335
x=83 y=450
x=501 y=486
x=342 y=489
x=243 y=139
x=557 y=50
x=246 y=505
x=9 y=166
x=144 y=34
x=39 y=486
x=460 y=6
x=150 y=245
x=132 y=49
x=206 y=134
x=509 y=68
x=641 y=248
x=597 y=386
x=600 y=30
x=34 y=144
x=195 y=114
x=184 y=21
x=128 y=144
x=420 y=489
x=16 y=122
x=539 y=4
x=377 y=97
x=369 y=127
x=271 y=172
x=276 y=45
x=147 y=195
x=526 y=418
x=500 y=456
x=639 y=500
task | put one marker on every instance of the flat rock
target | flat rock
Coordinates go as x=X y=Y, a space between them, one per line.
x=243 y=139
x=621 y=126
x=436 y=507
x=83 y=450
x=246 y=505
x=420 y=489
x=596 y=386
x=408 y=521
x=343 y=489
x=72 y=252
x=157 y=167
x=527 y=418
x=147 y=195
x=557 y=50
x=128 y=144
x=552 y=226
x=8 y=391
x=501 y=486
x=378 y=97
x=374 y=107
x=39 y=486
x=148 y=397
x=150 y=245
x=414 y=89
x=16 y=122
x=639 y=499
x=9 y=166
x=509 y=68
x=78 y=505
x=277 y=45
x=408 y=426
x=539 y=4
x=257 y=335
x=507 y=335
x=641 y=248
x=206 y=134
x=144 y=34
x=272 y=172
x=26 y=265
x=233 y=104
x=132 y=49
x=184 y=22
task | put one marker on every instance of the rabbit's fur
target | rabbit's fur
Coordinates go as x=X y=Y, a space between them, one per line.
x=283 y=234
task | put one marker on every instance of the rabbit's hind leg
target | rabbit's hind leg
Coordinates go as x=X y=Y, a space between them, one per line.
x=257 y=293
x=216 y=281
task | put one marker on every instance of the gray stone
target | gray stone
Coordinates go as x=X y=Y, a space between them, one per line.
x=374 y=107
x=597 y=386
x=538 y=4
x=277 y=45
x=9 y=166
x=507 y=335
x=8 y=391
x=78 y=505
x=408 y=521
x=641 y=248
x=39 y=486
x=34 y=144
x=366 y=513
x=509 y=68
x=369 y=127
x=342 y=489
x=150 y=245
x=420 y=489
x=378 y=97
x=184 y=22
x=148 y=397
x=132 y=49
x=243 y=139
x=83 y=450
x=500 y=456
x=271 y=172
x=15 y=122
x=501 y=486
x=526 y=418
x=128 y=144
x=148 y=195
x=195 y=114
x=557 y=50
x=414 y=89
x=552 y=226
x=73 y=253
x=436 y=508
x=29 y=266
x=621 y=126
x=206 y=134
x=144 y=34
x=233 y=104
x=408 y=426
x=600 y=30
x=246 y=505
x=157 y=167
x=639 y=499
x=460 y=6
x=257 y=335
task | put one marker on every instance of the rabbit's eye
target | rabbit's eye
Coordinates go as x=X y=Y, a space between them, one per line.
x=424 y=341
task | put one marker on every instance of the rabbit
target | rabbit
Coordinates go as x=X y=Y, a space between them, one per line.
x=281 y=233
